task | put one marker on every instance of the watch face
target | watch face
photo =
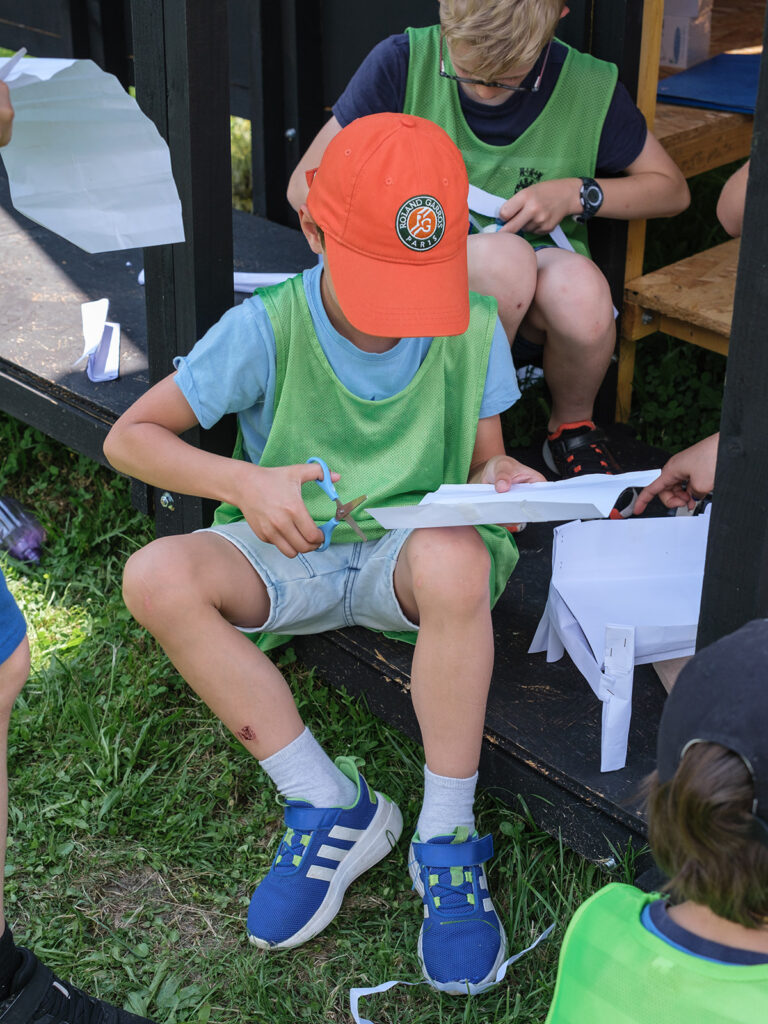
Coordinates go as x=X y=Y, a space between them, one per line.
x=592 y=195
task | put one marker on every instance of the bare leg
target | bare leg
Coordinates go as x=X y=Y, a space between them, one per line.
x=572 y=316
x=13 y=674
x=441 y=580
x=189 y=592
x=503 y=265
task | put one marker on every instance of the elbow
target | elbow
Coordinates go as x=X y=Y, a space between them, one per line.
x=112 y=448
x=682 y=197
x=294 y=193
x=731 y=220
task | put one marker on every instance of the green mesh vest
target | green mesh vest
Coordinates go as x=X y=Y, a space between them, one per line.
x=561 y=143
x=614 y=971
x=394 y=450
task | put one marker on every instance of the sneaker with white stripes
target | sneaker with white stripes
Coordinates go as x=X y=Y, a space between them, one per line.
x=323 y=851
x=462 y=943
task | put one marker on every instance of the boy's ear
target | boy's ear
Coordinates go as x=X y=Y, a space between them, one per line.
x=310 y=229
x=566 y=10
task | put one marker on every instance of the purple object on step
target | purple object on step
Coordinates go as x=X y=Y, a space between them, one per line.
x=21 y=534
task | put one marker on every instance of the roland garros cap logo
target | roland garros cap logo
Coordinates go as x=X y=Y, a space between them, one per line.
x=420 y=223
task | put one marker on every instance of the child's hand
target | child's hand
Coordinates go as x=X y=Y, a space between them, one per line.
x=541 y=207
x=270 y=499
x=687 y=476
x=6 y=114
x=502 y=471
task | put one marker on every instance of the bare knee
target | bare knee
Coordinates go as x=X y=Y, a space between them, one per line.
x=503 y=265
x=160 y=580
x=574 y=298
x=449 y=571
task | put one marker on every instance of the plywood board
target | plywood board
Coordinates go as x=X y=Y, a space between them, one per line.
x=698 y=290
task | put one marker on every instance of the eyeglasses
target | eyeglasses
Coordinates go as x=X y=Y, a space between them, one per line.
x=495 y=85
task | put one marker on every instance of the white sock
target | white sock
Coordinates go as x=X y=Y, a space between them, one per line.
x=448 y=804
x=303 y=771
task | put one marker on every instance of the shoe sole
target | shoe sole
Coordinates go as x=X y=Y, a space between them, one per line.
x=455 y=988
x=380 y=839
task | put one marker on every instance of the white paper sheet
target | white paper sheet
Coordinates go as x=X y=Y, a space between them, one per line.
x=643 y=574
x=587 y=497
x=84 y=161
x=101 y=342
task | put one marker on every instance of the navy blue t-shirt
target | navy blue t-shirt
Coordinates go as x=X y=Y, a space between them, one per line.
x=379 y=84
x=676 y=935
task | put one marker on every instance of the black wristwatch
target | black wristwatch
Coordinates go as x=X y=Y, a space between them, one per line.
x=591 y=196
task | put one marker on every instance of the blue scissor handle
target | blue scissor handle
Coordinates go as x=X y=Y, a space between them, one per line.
x=326 y=484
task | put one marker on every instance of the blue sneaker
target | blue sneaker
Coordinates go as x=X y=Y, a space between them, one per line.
x=321 y=854
x=462 y=942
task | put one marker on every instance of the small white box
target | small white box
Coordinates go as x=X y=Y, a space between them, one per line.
x=684 y=41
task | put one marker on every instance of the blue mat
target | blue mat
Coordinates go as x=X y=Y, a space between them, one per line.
x=725 y=82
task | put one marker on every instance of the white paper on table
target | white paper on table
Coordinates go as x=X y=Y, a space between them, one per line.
x=587 y=497
x=490 y=205
x=101 y=342
x=247 y=283
x=643 y=573
x=84 y=161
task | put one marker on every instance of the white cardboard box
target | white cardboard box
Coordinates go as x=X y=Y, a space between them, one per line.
x=685 y=33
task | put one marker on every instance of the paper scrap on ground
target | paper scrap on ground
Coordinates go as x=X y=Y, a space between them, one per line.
x=101 y=342
x=588 y=497
x=643 y=575
x=356 y=994
x=489 y=205
x=84 y=161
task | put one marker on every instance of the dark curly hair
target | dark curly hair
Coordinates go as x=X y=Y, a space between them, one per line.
x=700 y=830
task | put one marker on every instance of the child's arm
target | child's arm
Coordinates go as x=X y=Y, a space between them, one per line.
x=144 y=443
x=297 y=186
x=730 y=205
x=489 y=463
x=652 y=186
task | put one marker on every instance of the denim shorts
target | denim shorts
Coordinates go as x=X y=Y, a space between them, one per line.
x=345 y=585
x=13 y=628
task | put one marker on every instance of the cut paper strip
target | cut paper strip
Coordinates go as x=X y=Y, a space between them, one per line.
x=11 y=63
x=587 y=497
x=356 y=994
x=84 y=161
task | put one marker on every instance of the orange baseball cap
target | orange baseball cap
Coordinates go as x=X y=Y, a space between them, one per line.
x=390 y=195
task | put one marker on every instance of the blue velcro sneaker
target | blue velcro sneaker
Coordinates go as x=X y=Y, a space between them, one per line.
x=321 y=854
x=462 y=943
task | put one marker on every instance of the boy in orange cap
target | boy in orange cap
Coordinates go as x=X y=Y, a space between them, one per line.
x=381 y=363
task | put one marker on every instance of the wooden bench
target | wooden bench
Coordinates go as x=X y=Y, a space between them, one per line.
x=693 y=299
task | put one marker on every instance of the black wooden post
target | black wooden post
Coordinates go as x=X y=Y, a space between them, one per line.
x=182 y=84
x=736 y=572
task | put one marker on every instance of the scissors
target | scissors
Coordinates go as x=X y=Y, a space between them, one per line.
x=342 y=510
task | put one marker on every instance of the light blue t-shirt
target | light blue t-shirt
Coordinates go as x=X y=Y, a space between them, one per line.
x=232 y=368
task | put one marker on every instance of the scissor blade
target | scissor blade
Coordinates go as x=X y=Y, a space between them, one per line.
x=343 y=513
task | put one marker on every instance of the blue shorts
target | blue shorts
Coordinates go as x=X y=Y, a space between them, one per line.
x=13 y=628
x=345 y=585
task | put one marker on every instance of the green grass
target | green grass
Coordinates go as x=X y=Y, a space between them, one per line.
x=139 y=826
